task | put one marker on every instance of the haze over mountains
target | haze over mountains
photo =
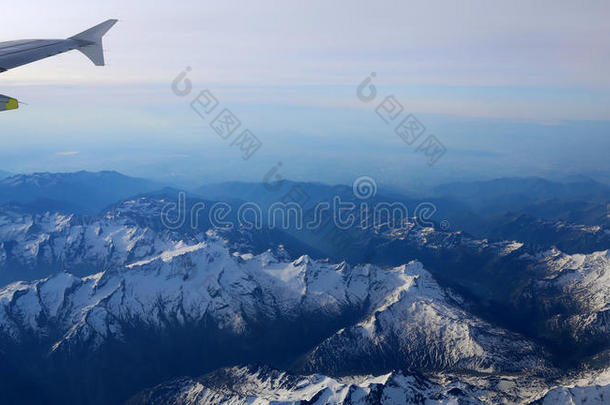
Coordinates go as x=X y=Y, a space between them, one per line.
x=102 y=302
x=82 y=192
x=306 y=203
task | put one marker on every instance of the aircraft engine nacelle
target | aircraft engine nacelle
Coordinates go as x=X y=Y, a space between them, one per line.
x=8 y=103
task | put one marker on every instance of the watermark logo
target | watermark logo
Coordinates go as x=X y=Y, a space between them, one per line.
x=364 y=187
x=366 y=91
x=181 y=85
x=296 y=210
x=173 y=215
x=225 y=123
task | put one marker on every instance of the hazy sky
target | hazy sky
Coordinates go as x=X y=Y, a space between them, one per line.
x=289 y=70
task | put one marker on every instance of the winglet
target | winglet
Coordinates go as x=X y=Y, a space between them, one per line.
x=8 y=103
x=91 y=41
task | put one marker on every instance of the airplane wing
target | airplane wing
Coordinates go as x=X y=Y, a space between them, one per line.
x=18 y=53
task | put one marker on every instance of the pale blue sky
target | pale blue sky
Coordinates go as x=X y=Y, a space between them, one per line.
x=292 y=67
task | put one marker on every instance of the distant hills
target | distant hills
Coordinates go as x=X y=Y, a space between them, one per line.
x=81 y=192
x=540 y=211
x=507 y=193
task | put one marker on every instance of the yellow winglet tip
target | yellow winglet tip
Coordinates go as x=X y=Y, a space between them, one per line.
x=12 y=104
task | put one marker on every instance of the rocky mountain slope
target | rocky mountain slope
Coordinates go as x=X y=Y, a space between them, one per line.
x=262 y=385
x=190 y=284
x=96 y=308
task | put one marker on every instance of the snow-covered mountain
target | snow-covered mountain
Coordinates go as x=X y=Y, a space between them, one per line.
x=118 y=300
x=406 y=318
x=35 y=245
x=419 y=318
x=130 y=233
x=243 y=385
x=302 y=314
x=265 y=386
x=594 y=394
x=574 y=293
x=559 y=298
x=566 y=236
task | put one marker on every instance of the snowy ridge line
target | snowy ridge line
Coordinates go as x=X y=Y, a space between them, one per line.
x=266 y=386
x=184 y=286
